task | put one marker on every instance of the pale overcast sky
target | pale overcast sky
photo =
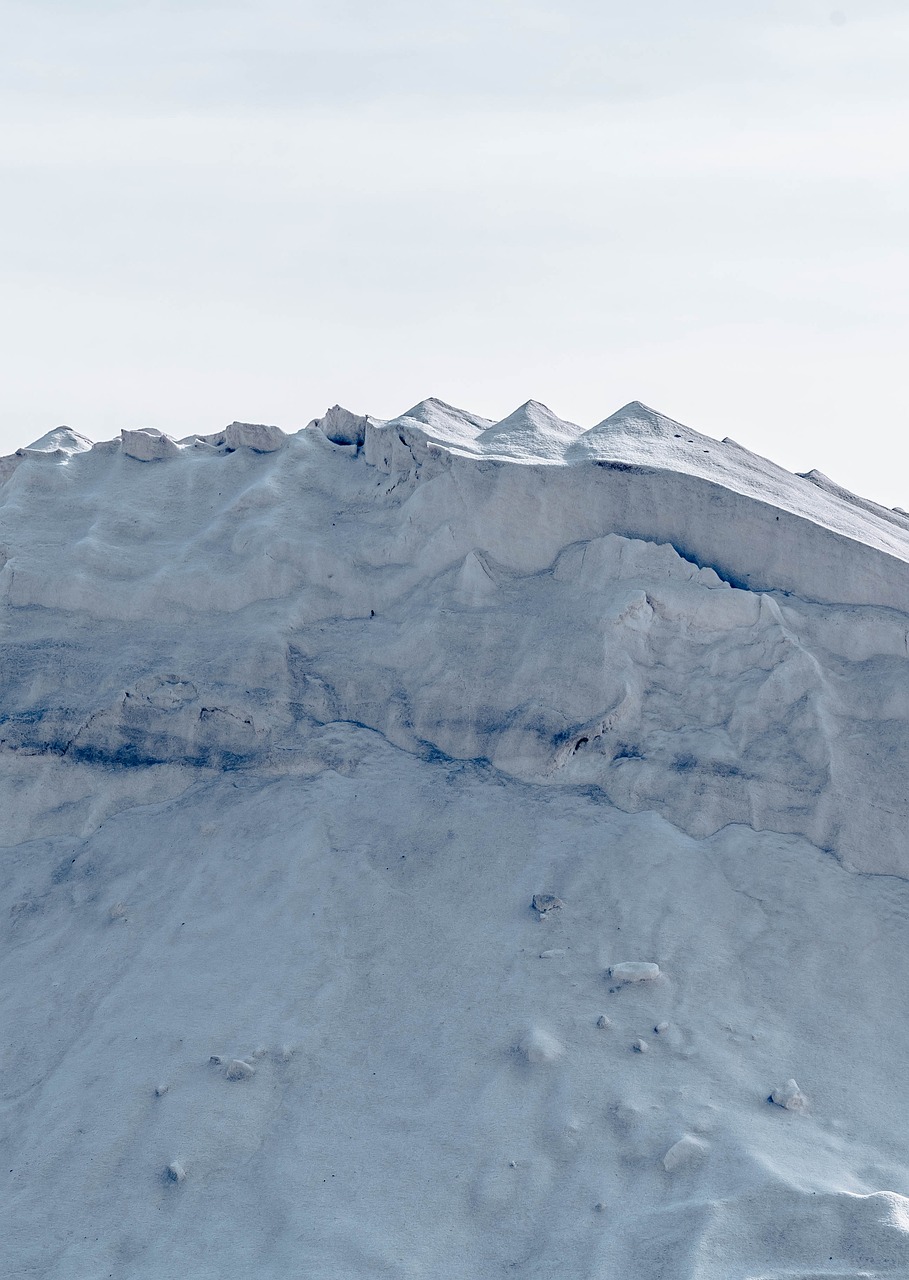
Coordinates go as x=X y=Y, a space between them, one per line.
x=253 y=210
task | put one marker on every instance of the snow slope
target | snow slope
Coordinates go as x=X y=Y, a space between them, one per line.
x=292 y=729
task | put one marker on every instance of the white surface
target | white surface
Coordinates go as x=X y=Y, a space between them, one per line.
x=789 y=1096
x=209 y=609
x=148 y=445
x=291 y=740
x=634 y=971
x=685 y=1151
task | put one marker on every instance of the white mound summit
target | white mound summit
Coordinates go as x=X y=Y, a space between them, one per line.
x=338 y=765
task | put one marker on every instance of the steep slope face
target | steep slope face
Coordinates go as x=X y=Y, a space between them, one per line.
x=422 y=1088
x=293 y=729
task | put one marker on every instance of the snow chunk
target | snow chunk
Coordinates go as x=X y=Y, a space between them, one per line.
x=254 y=435
x=148 y=445
x=639 y=1046
x=789 y=1096
x=685 y=1150
x=634 y=971
x=539 y=1046
x=175 y=1172
x=340 y=426
x=543 y=903
x=603 y=1022
x=237 y=1069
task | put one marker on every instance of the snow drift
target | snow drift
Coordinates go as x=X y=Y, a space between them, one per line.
x=294 y=729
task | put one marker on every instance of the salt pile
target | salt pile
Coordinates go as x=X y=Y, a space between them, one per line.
x=371 y=792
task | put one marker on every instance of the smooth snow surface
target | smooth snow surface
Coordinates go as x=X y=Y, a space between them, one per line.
x=441 y=848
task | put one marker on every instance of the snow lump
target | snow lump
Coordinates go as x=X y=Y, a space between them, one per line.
x=633 y=971
x=540 y=1046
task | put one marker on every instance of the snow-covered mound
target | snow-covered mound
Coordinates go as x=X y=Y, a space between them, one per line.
x=295 y=729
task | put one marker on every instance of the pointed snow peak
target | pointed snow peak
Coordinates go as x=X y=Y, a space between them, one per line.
x=433 y=412
x=532 y=432
x=638 y=434
x=62 y=440
x=639 y=417
x=432 y=405
x=531 y=413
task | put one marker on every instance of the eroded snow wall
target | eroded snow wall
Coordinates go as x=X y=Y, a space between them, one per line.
x=635 y=608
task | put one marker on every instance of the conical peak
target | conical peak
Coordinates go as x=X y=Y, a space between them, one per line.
x=637 y=416
x=531 y=413
x=534 y=417
x=536 y=408
x=436 y=413
x=531 y=433
x=432 y=404
x=63 y=439
x=639 y=435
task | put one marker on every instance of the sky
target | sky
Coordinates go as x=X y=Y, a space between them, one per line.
x=219 y=211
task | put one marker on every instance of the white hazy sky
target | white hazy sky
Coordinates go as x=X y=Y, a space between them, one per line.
x=252 y=210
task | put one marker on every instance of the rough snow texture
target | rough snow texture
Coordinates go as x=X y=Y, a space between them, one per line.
x=294 y=728
x=689 y=639
x=146 y=445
